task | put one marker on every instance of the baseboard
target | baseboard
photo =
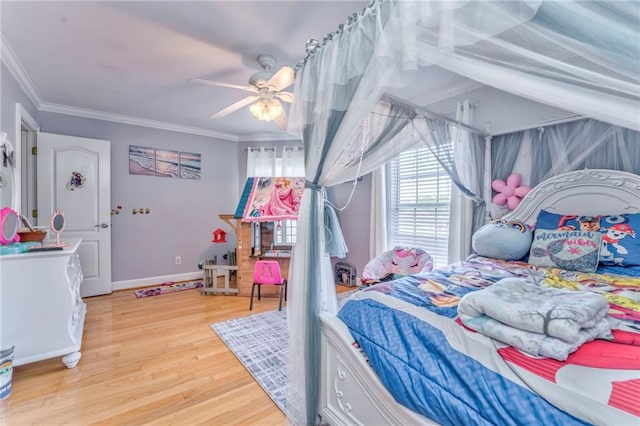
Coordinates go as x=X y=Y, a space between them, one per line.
x=146 y=282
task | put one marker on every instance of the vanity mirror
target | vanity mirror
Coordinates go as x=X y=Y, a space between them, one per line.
x=57 y=226
x=9 y=221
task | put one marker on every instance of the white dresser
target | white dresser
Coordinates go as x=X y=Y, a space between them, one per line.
x=41 y=311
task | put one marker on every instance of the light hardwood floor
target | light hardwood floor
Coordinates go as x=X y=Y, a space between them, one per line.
x=146 y=361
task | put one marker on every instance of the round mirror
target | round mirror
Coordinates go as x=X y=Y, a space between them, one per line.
x=57 y=224
x=9 y=222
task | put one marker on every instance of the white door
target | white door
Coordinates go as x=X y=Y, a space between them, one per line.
x=74 y=176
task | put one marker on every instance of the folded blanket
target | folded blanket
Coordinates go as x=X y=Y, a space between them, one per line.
x=542 y=321
x=524 y=305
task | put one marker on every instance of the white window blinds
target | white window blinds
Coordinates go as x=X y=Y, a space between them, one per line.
x=419 y=199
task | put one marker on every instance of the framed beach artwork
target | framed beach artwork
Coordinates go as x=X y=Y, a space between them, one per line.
x=144 y=160
x=167 y=163
x=190 y=165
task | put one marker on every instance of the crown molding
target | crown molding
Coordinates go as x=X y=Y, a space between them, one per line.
x=267 y=137
x=161 y=125
x=18 y=72
x=135 y=121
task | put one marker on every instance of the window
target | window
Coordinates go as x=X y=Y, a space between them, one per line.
x=285 y=161
x=419 y=198
x=285 y=233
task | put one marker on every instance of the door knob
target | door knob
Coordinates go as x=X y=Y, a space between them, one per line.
x=103 y=225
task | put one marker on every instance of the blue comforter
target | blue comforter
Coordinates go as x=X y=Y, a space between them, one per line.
x=418 y=363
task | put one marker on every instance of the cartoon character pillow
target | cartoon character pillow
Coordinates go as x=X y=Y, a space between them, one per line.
x=619 y=246
x=397 y=262
x=570 y=250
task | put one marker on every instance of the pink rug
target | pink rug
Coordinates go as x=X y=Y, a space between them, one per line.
x=169 y=287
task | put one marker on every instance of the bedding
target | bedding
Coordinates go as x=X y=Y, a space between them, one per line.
x=539 y=320
x=432 y=363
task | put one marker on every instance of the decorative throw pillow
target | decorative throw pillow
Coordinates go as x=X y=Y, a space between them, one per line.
x=570 y=250
x=620 y=245
x=506 y=240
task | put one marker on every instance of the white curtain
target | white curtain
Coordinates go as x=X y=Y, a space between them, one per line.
x=265 y=162
x=461 y=210
x=292 y=161
x=261 y=162
x=576 y=55
x=378 y=216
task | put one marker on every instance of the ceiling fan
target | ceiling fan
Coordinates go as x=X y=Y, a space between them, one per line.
x=268 y=89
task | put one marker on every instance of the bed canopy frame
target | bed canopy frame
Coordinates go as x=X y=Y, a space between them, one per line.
x=578 y=56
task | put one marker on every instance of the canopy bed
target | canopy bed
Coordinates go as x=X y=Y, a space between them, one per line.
x=353 y=393
x=578 y=56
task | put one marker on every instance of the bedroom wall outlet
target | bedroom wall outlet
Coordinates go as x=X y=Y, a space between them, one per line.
x=178 y=260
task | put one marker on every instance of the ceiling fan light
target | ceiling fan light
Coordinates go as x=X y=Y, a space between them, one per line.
x=266 y=109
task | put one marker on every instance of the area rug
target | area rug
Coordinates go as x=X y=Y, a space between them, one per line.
x=167 y=288
x=261 y=343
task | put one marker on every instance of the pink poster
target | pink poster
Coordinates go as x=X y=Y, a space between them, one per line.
x=273 y=199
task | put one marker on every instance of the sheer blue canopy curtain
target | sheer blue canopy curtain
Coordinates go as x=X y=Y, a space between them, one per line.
x=541 y=153
x=575 y=55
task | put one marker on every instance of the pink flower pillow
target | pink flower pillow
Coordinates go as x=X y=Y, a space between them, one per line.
x=510 y=192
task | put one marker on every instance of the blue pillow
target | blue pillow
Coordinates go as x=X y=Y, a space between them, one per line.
x=620 y=245
x=570 y=250
x=502 y=240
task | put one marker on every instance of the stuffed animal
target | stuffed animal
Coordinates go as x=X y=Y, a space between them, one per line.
x=396 y=262
x=506 y=240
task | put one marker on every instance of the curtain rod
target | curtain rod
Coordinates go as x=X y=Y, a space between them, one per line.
x=401 y=102
x=540 y=124
x=276 y=148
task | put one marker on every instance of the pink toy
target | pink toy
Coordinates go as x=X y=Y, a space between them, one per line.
x=511 y=192
x=396 y=262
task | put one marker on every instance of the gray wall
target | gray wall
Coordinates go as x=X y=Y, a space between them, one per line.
x=184 y=213
x=354 y=220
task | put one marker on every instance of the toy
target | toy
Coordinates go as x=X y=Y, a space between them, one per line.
x=396 y=262
x=219 y=236
x=505 y=240
x=510 y=192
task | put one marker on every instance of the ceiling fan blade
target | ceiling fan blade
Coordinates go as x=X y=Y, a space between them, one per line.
x=282 y=121
x=284 y=96
x=281 y=80
x=221 y=84
x=233 y=107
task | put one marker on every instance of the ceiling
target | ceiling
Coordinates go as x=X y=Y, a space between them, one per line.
x=131 y=61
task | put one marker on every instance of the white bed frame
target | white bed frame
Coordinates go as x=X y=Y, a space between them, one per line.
x=352 y=394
